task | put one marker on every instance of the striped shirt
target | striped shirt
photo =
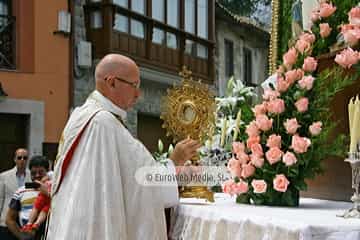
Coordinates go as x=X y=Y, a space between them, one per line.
x=22 y=202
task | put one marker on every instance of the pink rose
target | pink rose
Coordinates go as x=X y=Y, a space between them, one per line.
x=252 y=140
x=280 y=183
x=354 y=16
x=309 y=37
x=263 y=122
x=306 y=82
x=257 y=149
x=302 y=104
x=347 y=27
x=325 y=30
x=293 y=75
x=351 y=37
x=273 y=155
x=247 y=170
x=240 y=187
x=252 y=129
x=242 y=157
x=259 y=186
x=228 y=187
x=289 y=159
x=291 y=126
x=276 y=106
x=234 y=167
x=290 y=57
x=260 y=109
x=326 y=10
x=300 y=144
x=270 y=94
x=274 y=141
x=238 y=147
x=310 y=64
x=315 y=128
x=256 y=160
x=347 y=58
x=282 y=85
x=302 y=46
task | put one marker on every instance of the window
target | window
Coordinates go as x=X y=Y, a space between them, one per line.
x=137 y=28
x=173 y=13
x=171 y=41
x=121 y=23
x=247 y=66
x=202 y=51
x=158 y=10
x=96 y=20
x=138 y=6
x=7 y=40
x=198 y=25
x=202 y=19
x=4 y=12
x=190 y=47
x=229 y=58
x=122 y=3
x=190 y=16
x=158 y=36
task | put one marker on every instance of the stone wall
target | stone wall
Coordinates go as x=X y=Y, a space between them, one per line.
x=84 y=81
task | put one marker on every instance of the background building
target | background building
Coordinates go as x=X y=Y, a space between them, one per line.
x=242 y=47
x=35 y=74
x=160 y=35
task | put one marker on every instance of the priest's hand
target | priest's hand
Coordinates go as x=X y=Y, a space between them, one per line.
x=184 y=150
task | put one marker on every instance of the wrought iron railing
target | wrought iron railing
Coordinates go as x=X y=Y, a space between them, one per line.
x=7 y=42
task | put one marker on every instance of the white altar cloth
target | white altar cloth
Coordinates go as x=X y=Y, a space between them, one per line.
x=314 y=219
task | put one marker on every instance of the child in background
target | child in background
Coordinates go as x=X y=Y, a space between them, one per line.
x=40 y=209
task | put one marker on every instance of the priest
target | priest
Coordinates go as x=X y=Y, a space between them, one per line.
x=94 y=192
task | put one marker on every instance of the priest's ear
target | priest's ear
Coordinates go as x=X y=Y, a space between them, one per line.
x=110 y=81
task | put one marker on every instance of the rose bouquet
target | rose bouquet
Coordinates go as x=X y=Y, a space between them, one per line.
x=327 y=25
x=289 y=136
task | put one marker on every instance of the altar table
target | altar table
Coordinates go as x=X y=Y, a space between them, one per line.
x=314 y=219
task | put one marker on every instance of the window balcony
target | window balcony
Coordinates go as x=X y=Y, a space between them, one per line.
x=150 y=42
x=7 y=42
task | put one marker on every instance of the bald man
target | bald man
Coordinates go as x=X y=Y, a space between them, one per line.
x=94 y=193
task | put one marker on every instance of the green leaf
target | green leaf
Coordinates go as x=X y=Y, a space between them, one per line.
x=300 y=185
x=243 y=198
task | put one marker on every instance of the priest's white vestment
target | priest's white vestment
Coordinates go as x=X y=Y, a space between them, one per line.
x=98 y=197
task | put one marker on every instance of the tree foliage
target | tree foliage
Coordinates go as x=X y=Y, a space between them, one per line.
x=243 y=7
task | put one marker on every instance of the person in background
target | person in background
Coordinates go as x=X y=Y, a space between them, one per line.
x=41 y=206
x=10 y=181
x=21 y=203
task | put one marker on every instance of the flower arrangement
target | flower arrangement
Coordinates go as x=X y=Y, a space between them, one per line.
x=232 y=114
x=289 y=135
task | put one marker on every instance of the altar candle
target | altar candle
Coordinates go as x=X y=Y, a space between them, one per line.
x=351 y=115
x=237 y=125
x=355 y=128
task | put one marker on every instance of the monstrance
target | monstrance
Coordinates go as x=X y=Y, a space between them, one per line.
x=188 y=111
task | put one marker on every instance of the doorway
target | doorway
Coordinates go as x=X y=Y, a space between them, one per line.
x=149 y=131
x=13 y=135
